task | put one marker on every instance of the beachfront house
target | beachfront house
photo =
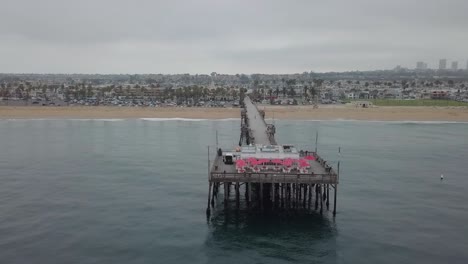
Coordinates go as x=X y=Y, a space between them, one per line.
x=351 y=95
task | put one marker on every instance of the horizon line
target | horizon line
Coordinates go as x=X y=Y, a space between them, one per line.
x=253 y=73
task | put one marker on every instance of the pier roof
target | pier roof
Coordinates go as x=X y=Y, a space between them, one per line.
x=269 y=152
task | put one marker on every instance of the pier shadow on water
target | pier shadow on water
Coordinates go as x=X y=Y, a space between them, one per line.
x=246 y=236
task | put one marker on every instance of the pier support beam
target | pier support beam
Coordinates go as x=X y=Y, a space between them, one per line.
x=213 y=195
x=237 y=195
x=226 y=194
x=304 y=198
x=282 y=196
x=261 y=196
x=208 y=212
x=293 y=189
x=249 y=193
x=321 y=200
x=273 y=198
x=328 y=197
x=334 y=200
x=316 y=196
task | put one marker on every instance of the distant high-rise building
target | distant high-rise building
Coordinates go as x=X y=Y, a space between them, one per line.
x=442 y=64
x=420 y=65
x=454 y=65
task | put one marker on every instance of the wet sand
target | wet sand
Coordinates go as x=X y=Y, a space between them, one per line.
x=277 y=112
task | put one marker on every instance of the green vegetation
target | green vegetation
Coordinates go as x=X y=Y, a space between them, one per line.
x=418 y=102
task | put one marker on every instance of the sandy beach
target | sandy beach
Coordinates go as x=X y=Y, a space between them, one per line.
x=278 y=112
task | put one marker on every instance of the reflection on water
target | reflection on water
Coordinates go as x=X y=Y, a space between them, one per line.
x=277 y=236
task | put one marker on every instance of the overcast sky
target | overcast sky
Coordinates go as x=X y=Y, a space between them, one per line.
x=114 y=36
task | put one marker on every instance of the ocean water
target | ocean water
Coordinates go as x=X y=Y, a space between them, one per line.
x=135 y=191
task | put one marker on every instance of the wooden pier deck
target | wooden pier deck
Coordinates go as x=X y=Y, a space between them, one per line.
x=221 y=172
x=256 y=123
x=270 y=186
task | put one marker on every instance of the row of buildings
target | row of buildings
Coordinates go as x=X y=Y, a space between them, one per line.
x=421 y=65
x=325 y=91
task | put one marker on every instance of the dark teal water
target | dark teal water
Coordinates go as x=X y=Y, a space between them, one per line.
x=135 y=191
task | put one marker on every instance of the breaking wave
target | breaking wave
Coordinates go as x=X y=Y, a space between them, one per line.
x=188 y=119
x=64 y=119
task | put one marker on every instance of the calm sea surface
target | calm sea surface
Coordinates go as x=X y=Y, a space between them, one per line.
x=135 y=191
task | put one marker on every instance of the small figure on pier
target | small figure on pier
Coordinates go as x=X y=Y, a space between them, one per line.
x=441 y=177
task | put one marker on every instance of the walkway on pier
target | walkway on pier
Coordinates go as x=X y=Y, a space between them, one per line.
x=256 y=123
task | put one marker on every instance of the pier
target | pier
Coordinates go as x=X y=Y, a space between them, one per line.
x=263 y=175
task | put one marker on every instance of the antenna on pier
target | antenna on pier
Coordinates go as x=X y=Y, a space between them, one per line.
x=316 y=141
x=338 y=170
x=216 y=140
x=208 y=161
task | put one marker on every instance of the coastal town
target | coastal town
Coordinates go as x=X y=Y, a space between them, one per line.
x=224 y=90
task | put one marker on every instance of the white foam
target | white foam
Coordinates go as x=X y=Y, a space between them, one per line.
x=97 y=119
x=187 y=119
x=428 y=122
x=65 y=119
x=227 y=119
x=387 y=121
x=172 y=119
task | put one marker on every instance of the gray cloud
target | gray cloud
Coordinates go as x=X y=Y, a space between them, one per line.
x=113 y=36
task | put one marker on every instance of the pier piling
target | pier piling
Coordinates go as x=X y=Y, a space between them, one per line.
x=321 y=200
x=209 y=197
x=334 y=200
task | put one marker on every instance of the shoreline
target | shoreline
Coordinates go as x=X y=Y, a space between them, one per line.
x=324 y=113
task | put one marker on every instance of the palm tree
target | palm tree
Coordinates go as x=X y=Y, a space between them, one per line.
x=205 y=92
x=234 y=93
x=26 y=97
x=313 y=92
x=291 y=91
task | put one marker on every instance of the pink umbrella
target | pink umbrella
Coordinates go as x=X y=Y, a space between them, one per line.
x=240 y=163
x=309 y=157
x=253 y=162
x=287 y=162
x=277 y=161
x=303 y=163
x=263 y=160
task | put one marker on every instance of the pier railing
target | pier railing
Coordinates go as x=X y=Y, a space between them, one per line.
x=266 y=177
